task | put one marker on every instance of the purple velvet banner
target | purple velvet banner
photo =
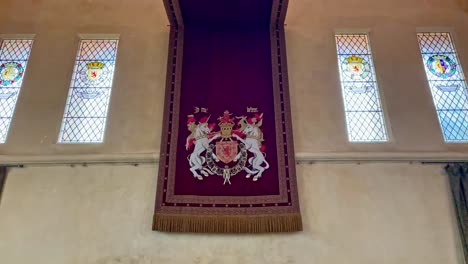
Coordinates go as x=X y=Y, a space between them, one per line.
x=227 y=158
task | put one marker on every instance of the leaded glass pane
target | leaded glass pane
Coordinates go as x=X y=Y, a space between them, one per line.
x=85 y=114
x=447 y=84
x=364 y=116
x=14 y=55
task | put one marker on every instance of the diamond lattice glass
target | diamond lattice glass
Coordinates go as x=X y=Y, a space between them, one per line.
x=85 y=114
x=447 y=84
x=364 y=116
x=14 y=55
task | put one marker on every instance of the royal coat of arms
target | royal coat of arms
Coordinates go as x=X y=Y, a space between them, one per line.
x=356 y=67
x=235 y=147
x=94 y=71
x=356 y=70
x=91 y=77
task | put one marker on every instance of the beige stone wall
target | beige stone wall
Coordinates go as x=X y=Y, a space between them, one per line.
x=135 y=111
x=356 y=214
x=370 y=213
x=463 y=4
x=317 y=104
x=135 y=114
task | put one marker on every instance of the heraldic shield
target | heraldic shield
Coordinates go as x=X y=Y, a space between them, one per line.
x=94 y=70
x=226 y=151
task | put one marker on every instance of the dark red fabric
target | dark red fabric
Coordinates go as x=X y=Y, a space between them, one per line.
x=227 y=69
x=3 y=174
x=226 y=13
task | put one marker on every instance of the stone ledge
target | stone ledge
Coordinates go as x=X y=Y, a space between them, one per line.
x=139 y=158
x=129 y=158
x=382 y=156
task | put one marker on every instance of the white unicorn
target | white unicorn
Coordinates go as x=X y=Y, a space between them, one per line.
x=253 y=142
x=200 y=138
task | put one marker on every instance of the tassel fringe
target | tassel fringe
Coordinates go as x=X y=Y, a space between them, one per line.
x=227 y=224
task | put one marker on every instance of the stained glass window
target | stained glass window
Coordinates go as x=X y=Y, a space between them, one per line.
x=84 y=120
x=447 y=84
x=14 y=55
x=364 y=115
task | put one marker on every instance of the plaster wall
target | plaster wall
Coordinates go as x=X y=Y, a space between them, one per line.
x=319 y=124
x=369 y=213
x=135 y=112
x=394 y=213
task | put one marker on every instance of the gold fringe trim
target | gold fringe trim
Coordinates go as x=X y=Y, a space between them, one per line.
x=227 y=224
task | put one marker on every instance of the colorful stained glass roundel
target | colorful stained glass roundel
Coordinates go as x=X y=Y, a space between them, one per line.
x=441 y=66
x=14 y=56
x=10 y=72
x=447 y=84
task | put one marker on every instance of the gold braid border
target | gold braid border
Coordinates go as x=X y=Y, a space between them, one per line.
x=227 y=224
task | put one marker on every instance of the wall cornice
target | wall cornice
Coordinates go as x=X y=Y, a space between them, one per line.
x=152 y=158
